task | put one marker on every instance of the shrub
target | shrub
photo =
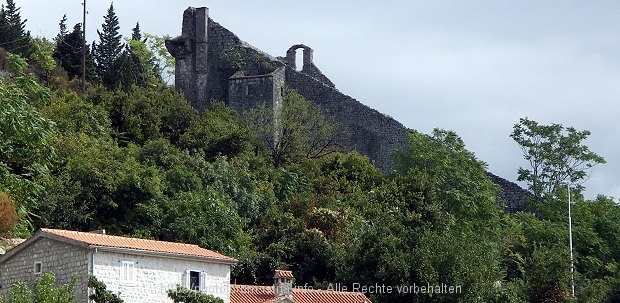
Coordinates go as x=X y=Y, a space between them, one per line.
x=183 y=295
x=8 y=215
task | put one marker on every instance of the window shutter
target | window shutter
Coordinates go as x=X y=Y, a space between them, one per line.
x=122 y=277
x=128 y=271
x=203 y=281
x=131 y=272
x=186 y=280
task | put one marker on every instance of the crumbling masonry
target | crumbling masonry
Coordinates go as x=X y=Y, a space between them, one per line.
x=204 y=72
x=212 y=63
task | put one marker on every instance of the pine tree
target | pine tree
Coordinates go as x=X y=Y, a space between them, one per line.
x=63 y=29
x=135 y=33
x=13 y=35
x=68 y=54
x=109 y=48
x=136 y=64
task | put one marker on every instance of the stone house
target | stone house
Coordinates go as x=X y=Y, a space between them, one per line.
x=140 y=270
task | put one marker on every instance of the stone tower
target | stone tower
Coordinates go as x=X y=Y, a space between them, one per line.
x=190 y=51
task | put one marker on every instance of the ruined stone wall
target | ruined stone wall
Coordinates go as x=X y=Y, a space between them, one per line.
x=220 y=40
x=369 y=132
x=313 y=71
x=246 y=92
x=199 y=71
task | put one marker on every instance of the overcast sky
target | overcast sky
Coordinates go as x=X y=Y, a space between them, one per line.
x=474 y=67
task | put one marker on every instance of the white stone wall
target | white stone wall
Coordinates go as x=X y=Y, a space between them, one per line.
x=156 y=275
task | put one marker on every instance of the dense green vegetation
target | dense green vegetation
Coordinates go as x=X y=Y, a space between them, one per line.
x=131 y=156
x=184 y=295
x=45 y=290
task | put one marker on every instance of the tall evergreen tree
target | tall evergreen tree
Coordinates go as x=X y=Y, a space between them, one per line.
x=128 y=70
x=68 y=54
x=136 y=65
x=109 y=48
x=13 y=35
x=135 y=32
x=63 y=29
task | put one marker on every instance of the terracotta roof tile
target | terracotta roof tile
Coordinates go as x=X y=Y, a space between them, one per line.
x=265 y=294
x=139 y=244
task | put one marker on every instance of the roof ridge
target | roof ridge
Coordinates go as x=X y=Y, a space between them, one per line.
x=116 y=236
x=147 y=245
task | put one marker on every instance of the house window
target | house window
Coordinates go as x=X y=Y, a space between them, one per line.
x=195 y=280
x=128 y=272
x=38 y=268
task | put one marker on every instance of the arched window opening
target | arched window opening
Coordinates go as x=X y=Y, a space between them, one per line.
x=299 y=60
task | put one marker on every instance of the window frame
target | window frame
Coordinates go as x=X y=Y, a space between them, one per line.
x=128 y=272
x=38 y=264
x=202 y=280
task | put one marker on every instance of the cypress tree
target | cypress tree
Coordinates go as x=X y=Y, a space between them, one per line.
x=109 y=48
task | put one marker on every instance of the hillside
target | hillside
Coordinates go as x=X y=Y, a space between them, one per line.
x=132 y=156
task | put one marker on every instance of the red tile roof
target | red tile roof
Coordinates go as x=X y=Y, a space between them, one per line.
x=138 y=244
x=265 y=294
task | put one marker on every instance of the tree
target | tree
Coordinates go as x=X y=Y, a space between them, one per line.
x=62 y=25
x=74 y=116
x=137 y=65
x=163 y=60
x=295 y=131
x=135 y=33
x=100 y=293
x=96 y=185
x=41 y=58
x=435 y=221
x=109 y=48
x=44 y=291
x=556 y=154
x=455 y=175
x=218 y=132
x=146 y=113
x=8 y=215
x=25 y=152
x=184 y=295
x=204 y=218
x=68 y=54
x=13 y=35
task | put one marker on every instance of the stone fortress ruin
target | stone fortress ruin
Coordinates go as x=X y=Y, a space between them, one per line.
x=212 y=63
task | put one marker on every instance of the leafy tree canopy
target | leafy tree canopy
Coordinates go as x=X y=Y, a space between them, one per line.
x=556 y=154
x=298 y=130
x=25 y=154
